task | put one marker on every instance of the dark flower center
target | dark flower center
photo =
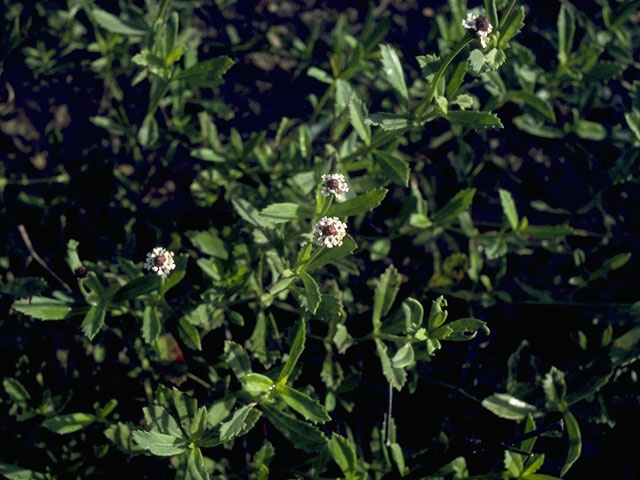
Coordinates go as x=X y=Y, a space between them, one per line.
x=333 y=184
x=329 y=230
x=81 y=272
x=159 y=260
x=482 y=24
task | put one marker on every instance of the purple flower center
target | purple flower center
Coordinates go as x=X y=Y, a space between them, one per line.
x=482 y=24
x=159 y=260
x=332 y=184
x=329 y=230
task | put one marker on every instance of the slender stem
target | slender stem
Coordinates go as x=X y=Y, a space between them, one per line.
x=37 y=258
x=389 y=411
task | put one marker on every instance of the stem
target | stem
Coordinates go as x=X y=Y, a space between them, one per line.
x=506 y=13
x=436 y=78
x=389 y=409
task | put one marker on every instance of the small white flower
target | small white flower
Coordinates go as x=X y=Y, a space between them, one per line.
x=479 y=26
x=334 y=184
x=329 y=231
x=160 y=260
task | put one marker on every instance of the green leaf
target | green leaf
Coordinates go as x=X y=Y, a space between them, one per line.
x=177 y=275
x=302 y=403
x=94 y=319
x=208 y=242
x=511 y=26
x=465 y=329
x=437 y=314
x=476 y=60
x=159 y=443
x=312 y=290
x=492 y=11
x=73 y=260
x=208 y=155
x=392 y=69
x=547 y=231
x=206 y=73
x=16 y=390
x=249 y=213
x=474 y=119
x=357 y=114
x=555 y=388
x=509 y=208
x=194 y=468
x=395 y=169
x=398 y=458
x=357 y=205
x=14 y=472
x=294 y=353
x=397 y=376
x=385 y=294
x=539 y=476
x=542 y=106
x=42 y=308
x=388 y=121
x=151 y=325
x=189 y=334
x=404 y=357
x=63 y=424
x=256 y=383
x=507 y=406
x=495 y=58
x=460 y=202
x=137 y=287
x=590 y=130
x=513 y=463
x=533 y=466
x=529 y=426
x=301 y=434
x=343 y=452
x=329 y=255
x=574 y=439
x=160 y=419
x=219 y=410
x=528 y=124
x=566 y=32
x=633 y=120
x=237 y=358
x=236 y=425
x=114 y=24
x=285 y=212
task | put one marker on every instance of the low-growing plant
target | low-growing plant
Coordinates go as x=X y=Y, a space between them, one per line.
x=272 y=303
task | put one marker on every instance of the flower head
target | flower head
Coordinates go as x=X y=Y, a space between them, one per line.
x=335 y=184
x=160 y=260
x=479 y=26
x=329 y=231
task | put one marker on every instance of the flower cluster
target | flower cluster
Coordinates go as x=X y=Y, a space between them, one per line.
x=329 y=231
x=479 y=26
x=334 y=184
x=160 y=260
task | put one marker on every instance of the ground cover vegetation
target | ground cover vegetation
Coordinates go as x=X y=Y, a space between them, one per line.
x=319 y=239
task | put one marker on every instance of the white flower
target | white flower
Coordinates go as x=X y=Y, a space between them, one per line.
x=479 y=26
x=334 y=184
x=160 y=260
x=329 y=231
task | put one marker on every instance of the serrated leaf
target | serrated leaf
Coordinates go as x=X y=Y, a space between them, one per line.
x=357 y=114
x=495 y=58
x=404 y=357
x=397 y=376
x=507 y=406
x=160 y=419
x=285 y=212
x=509 y=208
x=512 y=25
x=574 y=440
x=388 y=121
x=392 y=69
x=555 y=388
x=465 y=329
x=476 y=60
x=301 y=434
x=513 y=463
x=384 y=296
x=94 y=320
x=297 y=347
x=194 y=468
x=159 y=443
x=42 y=308
x=343 y=452
x=114 y=24
x=219 y=410
x=460 y=202
x=237 y=358
x=474 y=119
x=151 y=325
x=302 y=403
x=395 y=168
x=313 y=292
x=189 y=334
x=329 y=255
x=357 y=205
x=208 y=242
x=206 y=73
x=16 y=390
x=236 y=425
x=72 y=422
